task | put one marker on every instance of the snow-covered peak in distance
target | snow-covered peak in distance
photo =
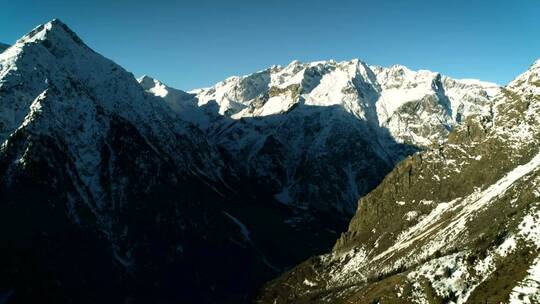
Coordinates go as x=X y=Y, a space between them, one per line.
x=154 y=86
x=54 y=35
x=437 y=207
x=50 y=57
x=53 y=56
x=417 y=107
x=50 y=80
x=182 y=103
x=400 y=85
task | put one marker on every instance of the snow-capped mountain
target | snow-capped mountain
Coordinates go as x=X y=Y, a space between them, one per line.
x=316 y=136
x=319 y=135
x=104 y=189
x=455 y=224
x=417 y=107
x=182 y=103
x=114 y=189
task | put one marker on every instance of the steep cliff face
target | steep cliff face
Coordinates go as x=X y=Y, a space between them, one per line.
x=103 y=190
x=457 y=223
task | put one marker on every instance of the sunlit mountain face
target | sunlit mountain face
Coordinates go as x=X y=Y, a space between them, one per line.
x=318 y=182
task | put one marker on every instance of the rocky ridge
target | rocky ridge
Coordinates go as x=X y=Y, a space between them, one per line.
x=453 y=224
x=217 y=190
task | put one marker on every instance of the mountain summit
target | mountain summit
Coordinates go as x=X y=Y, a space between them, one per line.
x=283 y=124
x=95 y=172
x=116 y=189
x=456 y=224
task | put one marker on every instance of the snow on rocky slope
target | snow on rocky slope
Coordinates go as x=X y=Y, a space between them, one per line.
x=454 y=224
x=417 y=107
x=52 y=63
x=184 y=104
x=319 y=135
x=103 y=188
x=217 y=189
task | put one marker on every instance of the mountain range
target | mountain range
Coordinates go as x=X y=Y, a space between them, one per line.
x=453 y=224
x=116 y=189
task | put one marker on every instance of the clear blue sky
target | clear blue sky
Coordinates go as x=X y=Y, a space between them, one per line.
x=190 y=44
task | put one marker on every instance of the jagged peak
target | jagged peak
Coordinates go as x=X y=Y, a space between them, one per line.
x=357 y=61
x=54 y=32
x=53 y=56
x=145 y=78
x=295 y=62
x=296 y=66
x=147 y=82
x=398 y=67
x=154 y=86
x=329 y=62
x=158 y=88
x=54 y=44
x=396 y=72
